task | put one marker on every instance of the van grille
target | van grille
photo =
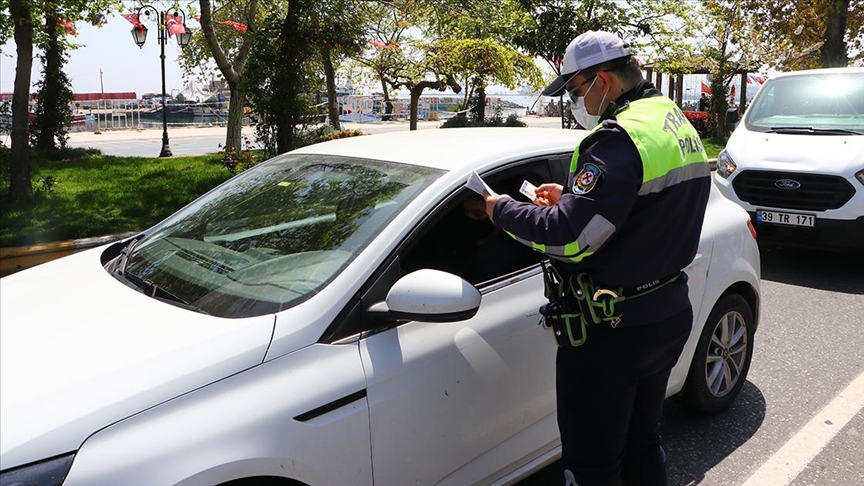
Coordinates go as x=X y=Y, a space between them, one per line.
x=817 y=192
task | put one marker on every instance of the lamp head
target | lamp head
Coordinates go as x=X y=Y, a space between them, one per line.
x=139 y=35
x=184 y=38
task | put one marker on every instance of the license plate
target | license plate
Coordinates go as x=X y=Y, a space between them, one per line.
x=788 y=219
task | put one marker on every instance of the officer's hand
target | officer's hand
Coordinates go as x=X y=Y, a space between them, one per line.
x=548 y=194
x=490 y=203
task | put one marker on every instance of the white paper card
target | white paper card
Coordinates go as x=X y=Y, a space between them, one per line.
x=478 y=185
x=528 y=190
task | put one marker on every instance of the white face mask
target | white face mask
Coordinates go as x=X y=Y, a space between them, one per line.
x=580 y=112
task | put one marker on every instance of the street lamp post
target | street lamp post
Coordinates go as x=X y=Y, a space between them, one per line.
x=139 y=35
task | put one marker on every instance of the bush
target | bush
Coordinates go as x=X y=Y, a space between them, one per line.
x=236 y=161
x=322 y=133
x=462 y=119
x=699 y=120
x=458 y=121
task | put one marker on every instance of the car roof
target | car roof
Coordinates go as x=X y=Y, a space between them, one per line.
x=452 y=148
x=810 y=72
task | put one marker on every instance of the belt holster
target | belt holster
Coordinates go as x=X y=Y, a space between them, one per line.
x=561 y=314
x=574 y=304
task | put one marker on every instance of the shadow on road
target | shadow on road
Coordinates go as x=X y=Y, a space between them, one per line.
x=697 y=443
x=694 y=443
x=834 y=272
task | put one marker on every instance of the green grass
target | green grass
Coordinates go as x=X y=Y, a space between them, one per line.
x=98 y=195
x=713 y=147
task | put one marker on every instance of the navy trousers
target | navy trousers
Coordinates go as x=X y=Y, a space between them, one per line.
x=610 y=394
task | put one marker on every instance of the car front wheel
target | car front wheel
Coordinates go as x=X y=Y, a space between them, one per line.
x=722 y=359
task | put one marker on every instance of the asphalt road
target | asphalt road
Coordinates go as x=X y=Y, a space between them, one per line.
x=809 y=348
x=206 y=140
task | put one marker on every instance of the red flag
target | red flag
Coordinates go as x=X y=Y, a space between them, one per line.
x=174 y=25
x=236 y=25
x=706 y=89
x=754 y=79
x=68 y=26
x=134 y=20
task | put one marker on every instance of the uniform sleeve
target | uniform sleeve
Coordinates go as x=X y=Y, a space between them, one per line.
x=580 y=224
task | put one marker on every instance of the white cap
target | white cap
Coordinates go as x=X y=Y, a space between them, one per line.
x=589 y=49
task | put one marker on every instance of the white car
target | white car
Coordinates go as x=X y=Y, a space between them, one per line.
x=796 y=162
x=328 y=317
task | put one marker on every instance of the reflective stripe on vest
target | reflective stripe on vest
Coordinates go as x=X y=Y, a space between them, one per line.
x=671 y=153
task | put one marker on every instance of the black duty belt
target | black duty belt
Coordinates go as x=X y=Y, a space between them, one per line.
x=635 y=290
x=577 y=301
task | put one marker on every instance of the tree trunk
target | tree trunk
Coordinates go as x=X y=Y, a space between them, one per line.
x=330 y=75
x=20 y=185
x=481 y=105
x=51 y=116
x=233 y=72
x=416 y=91
x=833 y=52
x=234 y=135
x=388 y=105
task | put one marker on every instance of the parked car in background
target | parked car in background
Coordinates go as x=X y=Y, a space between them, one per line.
x=796 y=163
x=331 y=316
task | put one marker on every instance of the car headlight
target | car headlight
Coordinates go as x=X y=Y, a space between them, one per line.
x=50 y=472
x=725 y=165
x=860 y=176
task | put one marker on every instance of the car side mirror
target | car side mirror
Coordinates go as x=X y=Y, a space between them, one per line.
x=429 y=296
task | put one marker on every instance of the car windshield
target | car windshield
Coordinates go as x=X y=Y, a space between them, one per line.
x=273 y=236
x=813 y=103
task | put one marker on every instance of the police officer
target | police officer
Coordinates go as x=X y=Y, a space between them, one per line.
x=618 y=235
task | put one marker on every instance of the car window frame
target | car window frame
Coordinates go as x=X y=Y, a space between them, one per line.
x=354 y=322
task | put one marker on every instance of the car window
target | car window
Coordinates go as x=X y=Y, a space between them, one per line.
x=829 y=101
x=273 y=236
x=459 y=239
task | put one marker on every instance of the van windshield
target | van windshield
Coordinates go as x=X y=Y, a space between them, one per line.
x=829 y=103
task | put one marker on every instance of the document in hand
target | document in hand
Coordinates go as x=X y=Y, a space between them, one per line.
x=478 y=185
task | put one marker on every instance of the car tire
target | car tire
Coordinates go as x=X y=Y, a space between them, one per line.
x=722 y=358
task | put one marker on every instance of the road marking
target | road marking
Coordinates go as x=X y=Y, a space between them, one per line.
x=788 y=462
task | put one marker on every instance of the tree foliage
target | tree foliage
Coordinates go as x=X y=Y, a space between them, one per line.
x=807 y=34
x=229 y=48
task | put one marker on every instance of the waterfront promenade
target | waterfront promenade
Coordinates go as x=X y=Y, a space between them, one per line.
x=205 y=140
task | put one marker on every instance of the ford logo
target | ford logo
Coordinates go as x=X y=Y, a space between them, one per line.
x=787 y=184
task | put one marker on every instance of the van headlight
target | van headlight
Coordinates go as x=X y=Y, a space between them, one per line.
x=860 y=176
x=50 y=472
x=725 y=165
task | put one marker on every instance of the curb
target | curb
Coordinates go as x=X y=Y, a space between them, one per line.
x=18 y=258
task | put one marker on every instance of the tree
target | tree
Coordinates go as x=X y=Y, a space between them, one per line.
x=807 y=34
x=651 y=26
x=20 y=185
x=485 y=61
x=55 y=93
x=339 y=33
x=54 y=97
x=833 y=51
x=387 y=24
x=232 y=71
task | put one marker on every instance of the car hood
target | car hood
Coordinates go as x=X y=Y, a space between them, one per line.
x=79 y=351
x=828 y=154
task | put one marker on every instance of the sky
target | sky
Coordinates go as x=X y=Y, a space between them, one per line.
x=110 y=49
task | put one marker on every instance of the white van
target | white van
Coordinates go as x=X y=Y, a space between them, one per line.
x=796 y=161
